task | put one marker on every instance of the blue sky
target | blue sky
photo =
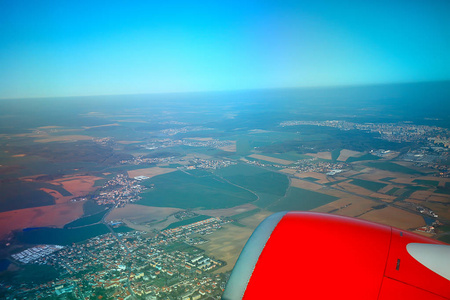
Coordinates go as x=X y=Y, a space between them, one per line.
x=71 y=48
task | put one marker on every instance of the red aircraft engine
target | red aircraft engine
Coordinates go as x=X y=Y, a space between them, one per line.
x=306 y=255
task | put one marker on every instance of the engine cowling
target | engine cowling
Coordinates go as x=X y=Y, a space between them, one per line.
x=307 y=255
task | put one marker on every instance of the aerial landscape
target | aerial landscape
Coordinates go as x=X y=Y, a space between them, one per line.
x=135 y=193
x=178 y=192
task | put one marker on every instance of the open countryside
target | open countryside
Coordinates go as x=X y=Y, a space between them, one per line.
x=191 y=186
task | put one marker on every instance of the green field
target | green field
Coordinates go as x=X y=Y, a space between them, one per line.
x=291 y=155
x=301 y=199
x=36 y=274
x=91 y=207
x=392 y=191
x=246 y=214
x=370 y=185
x=267 y=182
x=100 y=182
x=445 y=191
x=256 y=179
x=393 y=167
x=20 y=194
x=243 y=146
x=95 y=218
x=310 y=179
x=387 y=179
x=187 y=221
x=366 y=156
x=266 y=200
x=181 y=190
x=434 y=183
x=335 y=154
x=122 y=229
x=335 y=182
x=198 y=172
x=408 y=191
x=239 y=169
x=58 y=236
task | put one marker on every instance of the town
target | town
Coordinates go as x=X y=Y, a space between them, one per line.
x=118 y=191
x=394 y=132
x=128 y=265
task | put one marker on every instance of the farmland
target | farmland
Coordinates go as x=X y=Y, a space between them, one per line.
x=392 y=167
x=181 y=190
x=301 y=199
x=256 y=179
x=370 y=185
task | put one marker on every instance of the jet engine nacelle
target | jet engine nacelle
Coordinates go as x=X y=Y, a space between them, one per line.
x=306 y=255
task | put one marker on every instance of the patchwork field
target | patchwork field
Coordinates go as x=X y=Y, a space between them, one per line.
x=323 y=155
x=76 y=185
x=321 y=178
x=303 y=184
x=369 y=185
x=350 y=206
x=55 y=214
x=290 y=155
x=392 y=167
x=345 y=154
x=45 y=216
x=289 y=171
x=394 y=217
x=386 y=198
x=150 y=172
x=272 y=159
x=255 y=179
x=226 y=212
x=230 y=148
x=141 y=214
x=301 y=199
x=228 y=242
x=364 y=157
x=63 y=138
x=354 y=189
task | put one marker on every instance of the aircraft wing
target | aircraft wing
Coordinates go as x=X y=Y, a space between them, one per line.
x=306 y=255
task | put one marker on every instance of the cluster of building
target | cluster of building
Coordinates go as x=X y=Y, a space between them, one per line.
x=314 y=165
x=119 y=191
x=149 y=160
x=185 y=214
x=203 y=227
x=199 y=163
x=263 y=164
x=430 y=157
x=130 y=266
x=441 y=140
x=444 y=170
x=395 y=132
x=306 y=165
x=426 y=211
x=32 y=254
x=166 y=143
x=104 y=141
x=174 y=131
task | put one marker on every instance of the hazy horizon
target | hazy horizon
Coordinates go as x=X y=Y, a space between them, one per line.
x=318 y=87
x=54 y=49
